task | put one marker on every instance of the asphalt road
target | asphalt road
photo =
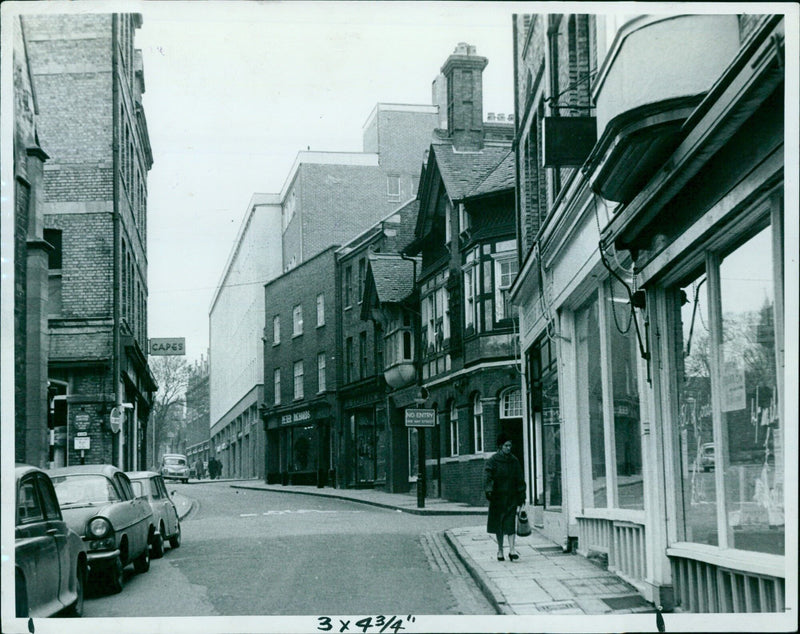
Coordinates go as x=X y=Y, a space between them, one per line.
x=263 y=553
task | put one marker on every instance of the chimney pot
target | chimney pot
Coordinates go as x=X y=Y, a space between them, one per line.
x=501 y=116
x=490 y=116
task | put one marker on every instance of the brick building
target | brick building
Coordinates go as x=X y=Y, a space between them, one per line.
x=365 y=455
x=465 y=343
x=653 y=366
x=299 y=406
x=30 y=289
x=88 y=80
x=327 y=198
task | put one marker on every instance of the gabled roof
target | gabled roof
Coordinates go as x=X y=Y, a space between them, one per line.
x=461 y=171
x=501 y=178
x=392 y=275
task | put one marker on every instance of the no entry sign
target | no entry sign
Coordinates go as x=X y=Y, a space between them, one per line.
x=420 y=418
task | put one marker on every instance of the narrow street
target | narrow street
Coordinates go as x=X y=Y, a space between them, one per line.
x=260 y=553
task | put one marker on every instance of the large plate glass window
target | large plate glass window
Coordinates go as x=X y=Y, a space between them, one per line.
x=731 y=433
x=547 y=419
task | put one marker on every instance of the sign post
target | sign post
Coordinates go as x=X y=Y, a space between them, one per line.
x=421 y=418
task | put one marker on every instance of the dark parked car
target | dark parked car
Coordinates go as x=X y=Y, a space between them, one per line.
x=50 y=573
x=150 y=485
x=99 y=504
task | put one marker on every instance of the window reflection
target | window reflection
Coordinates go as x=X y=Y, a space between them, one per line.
x=696 y=425
x=753 y=451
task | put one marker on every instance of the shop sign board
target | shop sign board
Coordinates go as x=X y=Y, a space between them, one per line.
x=168 y=346
x=420 y=418
x=81 y=422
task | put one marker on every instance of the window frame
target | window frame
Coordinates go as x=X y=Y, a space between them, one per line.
x=393 y=179
x=299 y=391
x=297 y=320
x=276 y=386
x=453 y=428
x=478 y=431
x=322 y=383
x=276 y=330
x=320 y=310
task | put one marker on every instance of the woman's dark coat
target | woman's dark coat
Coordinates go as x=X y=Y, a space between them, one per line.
x=505 y=489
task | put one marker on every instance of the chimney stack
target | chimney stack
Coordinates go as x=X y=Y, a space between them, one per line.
x=463 y=72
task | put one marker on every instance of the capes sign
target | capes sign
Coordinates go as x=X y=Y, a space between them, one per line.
x=170 y=346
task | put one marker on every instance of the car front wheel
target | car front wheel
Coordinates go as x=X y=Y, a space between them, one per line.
x=175 y=540
x=115 y=576
x=158 y=544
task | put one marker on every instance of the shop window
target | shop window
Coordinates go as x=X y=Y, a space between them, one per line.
x=547 y=418
x=731 y=430
x=276 y=383
x=623 y=374
x=453 y=429
x=298 y=380
x=303 y=448
x=590 y=404
x=477 y=424
x=297 y=320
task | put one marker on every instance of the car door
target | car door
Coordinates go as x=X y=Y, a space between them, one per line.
x=36 y=550
x=137 y=513
x=171 y=513
x=57 y=527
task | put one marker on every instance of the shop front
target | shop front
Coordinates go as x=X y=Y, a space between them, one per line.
x=298 y=443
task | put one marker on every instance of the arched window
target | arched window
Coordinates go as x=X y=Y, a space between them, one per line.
x=477 y=423
x=511 y=403
x=453 y=429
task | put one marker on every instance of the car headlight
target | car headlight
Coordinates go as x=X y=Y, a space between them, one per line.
x=99 y=527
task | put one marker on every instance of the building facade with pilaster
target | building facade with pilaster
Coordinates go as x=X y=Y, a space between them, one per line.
x=651 y=294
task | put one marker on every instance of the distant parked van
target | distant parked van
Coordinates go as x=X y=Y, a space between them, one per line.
x=175 y=466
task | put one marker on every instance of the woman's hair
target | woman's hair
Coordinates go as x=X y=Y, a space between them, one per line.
x=502 y=439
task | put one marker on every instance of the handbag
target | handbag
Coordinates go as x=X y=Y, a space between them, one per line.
x=523 y=525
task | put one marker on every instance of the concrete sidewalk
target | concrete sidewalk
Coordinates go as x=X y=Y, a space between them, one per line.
x=544 y=580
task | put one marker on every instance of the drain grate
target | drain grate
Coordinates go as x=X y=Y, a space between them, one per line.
x=626 y=603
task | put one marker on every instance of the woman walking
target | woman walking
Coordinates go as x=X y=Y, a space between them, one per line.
x=505 y=489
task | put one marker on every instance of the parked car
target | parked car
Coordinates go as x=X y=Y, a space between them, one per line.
x=150 y=485
x=98 y=503
x=175 y=466
x=707 y=456
x=51 y=565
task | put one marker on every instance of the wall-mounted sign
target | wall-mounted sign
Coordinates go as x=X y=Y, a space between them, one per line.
x=420 y=418
x=168 y=346
x=83 y=442
x=81 y=422
x=115 y=418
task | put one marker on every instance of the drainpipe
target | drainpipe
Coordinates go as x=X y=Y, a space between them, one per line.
x=115 y=363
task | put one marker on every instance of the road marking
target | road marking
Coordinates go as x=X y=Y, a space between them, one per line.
x=248 y=514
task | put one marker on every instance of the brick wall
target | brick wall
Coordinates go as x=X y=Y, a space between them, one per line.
x=301 y=286
x=22 y=196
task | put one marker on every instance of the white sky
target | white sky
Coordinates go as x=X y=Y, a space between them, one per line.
x=234 y=91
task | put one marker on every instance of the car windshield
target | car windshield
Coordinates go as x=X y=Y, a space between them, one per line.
x=175 y=461
x=84 y=489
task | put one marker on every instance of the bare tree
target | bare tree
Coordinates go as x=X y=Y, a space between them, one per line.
x=167 y=416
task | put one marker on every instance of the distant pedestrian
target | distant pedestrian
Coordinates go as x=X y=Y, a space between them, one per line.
x=212 y=468
x=198 y=469
x=504 y=485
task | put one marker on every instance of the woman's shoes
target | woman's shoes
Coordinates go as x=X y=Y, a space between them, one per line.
x=513 y=556
x=500 y=557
